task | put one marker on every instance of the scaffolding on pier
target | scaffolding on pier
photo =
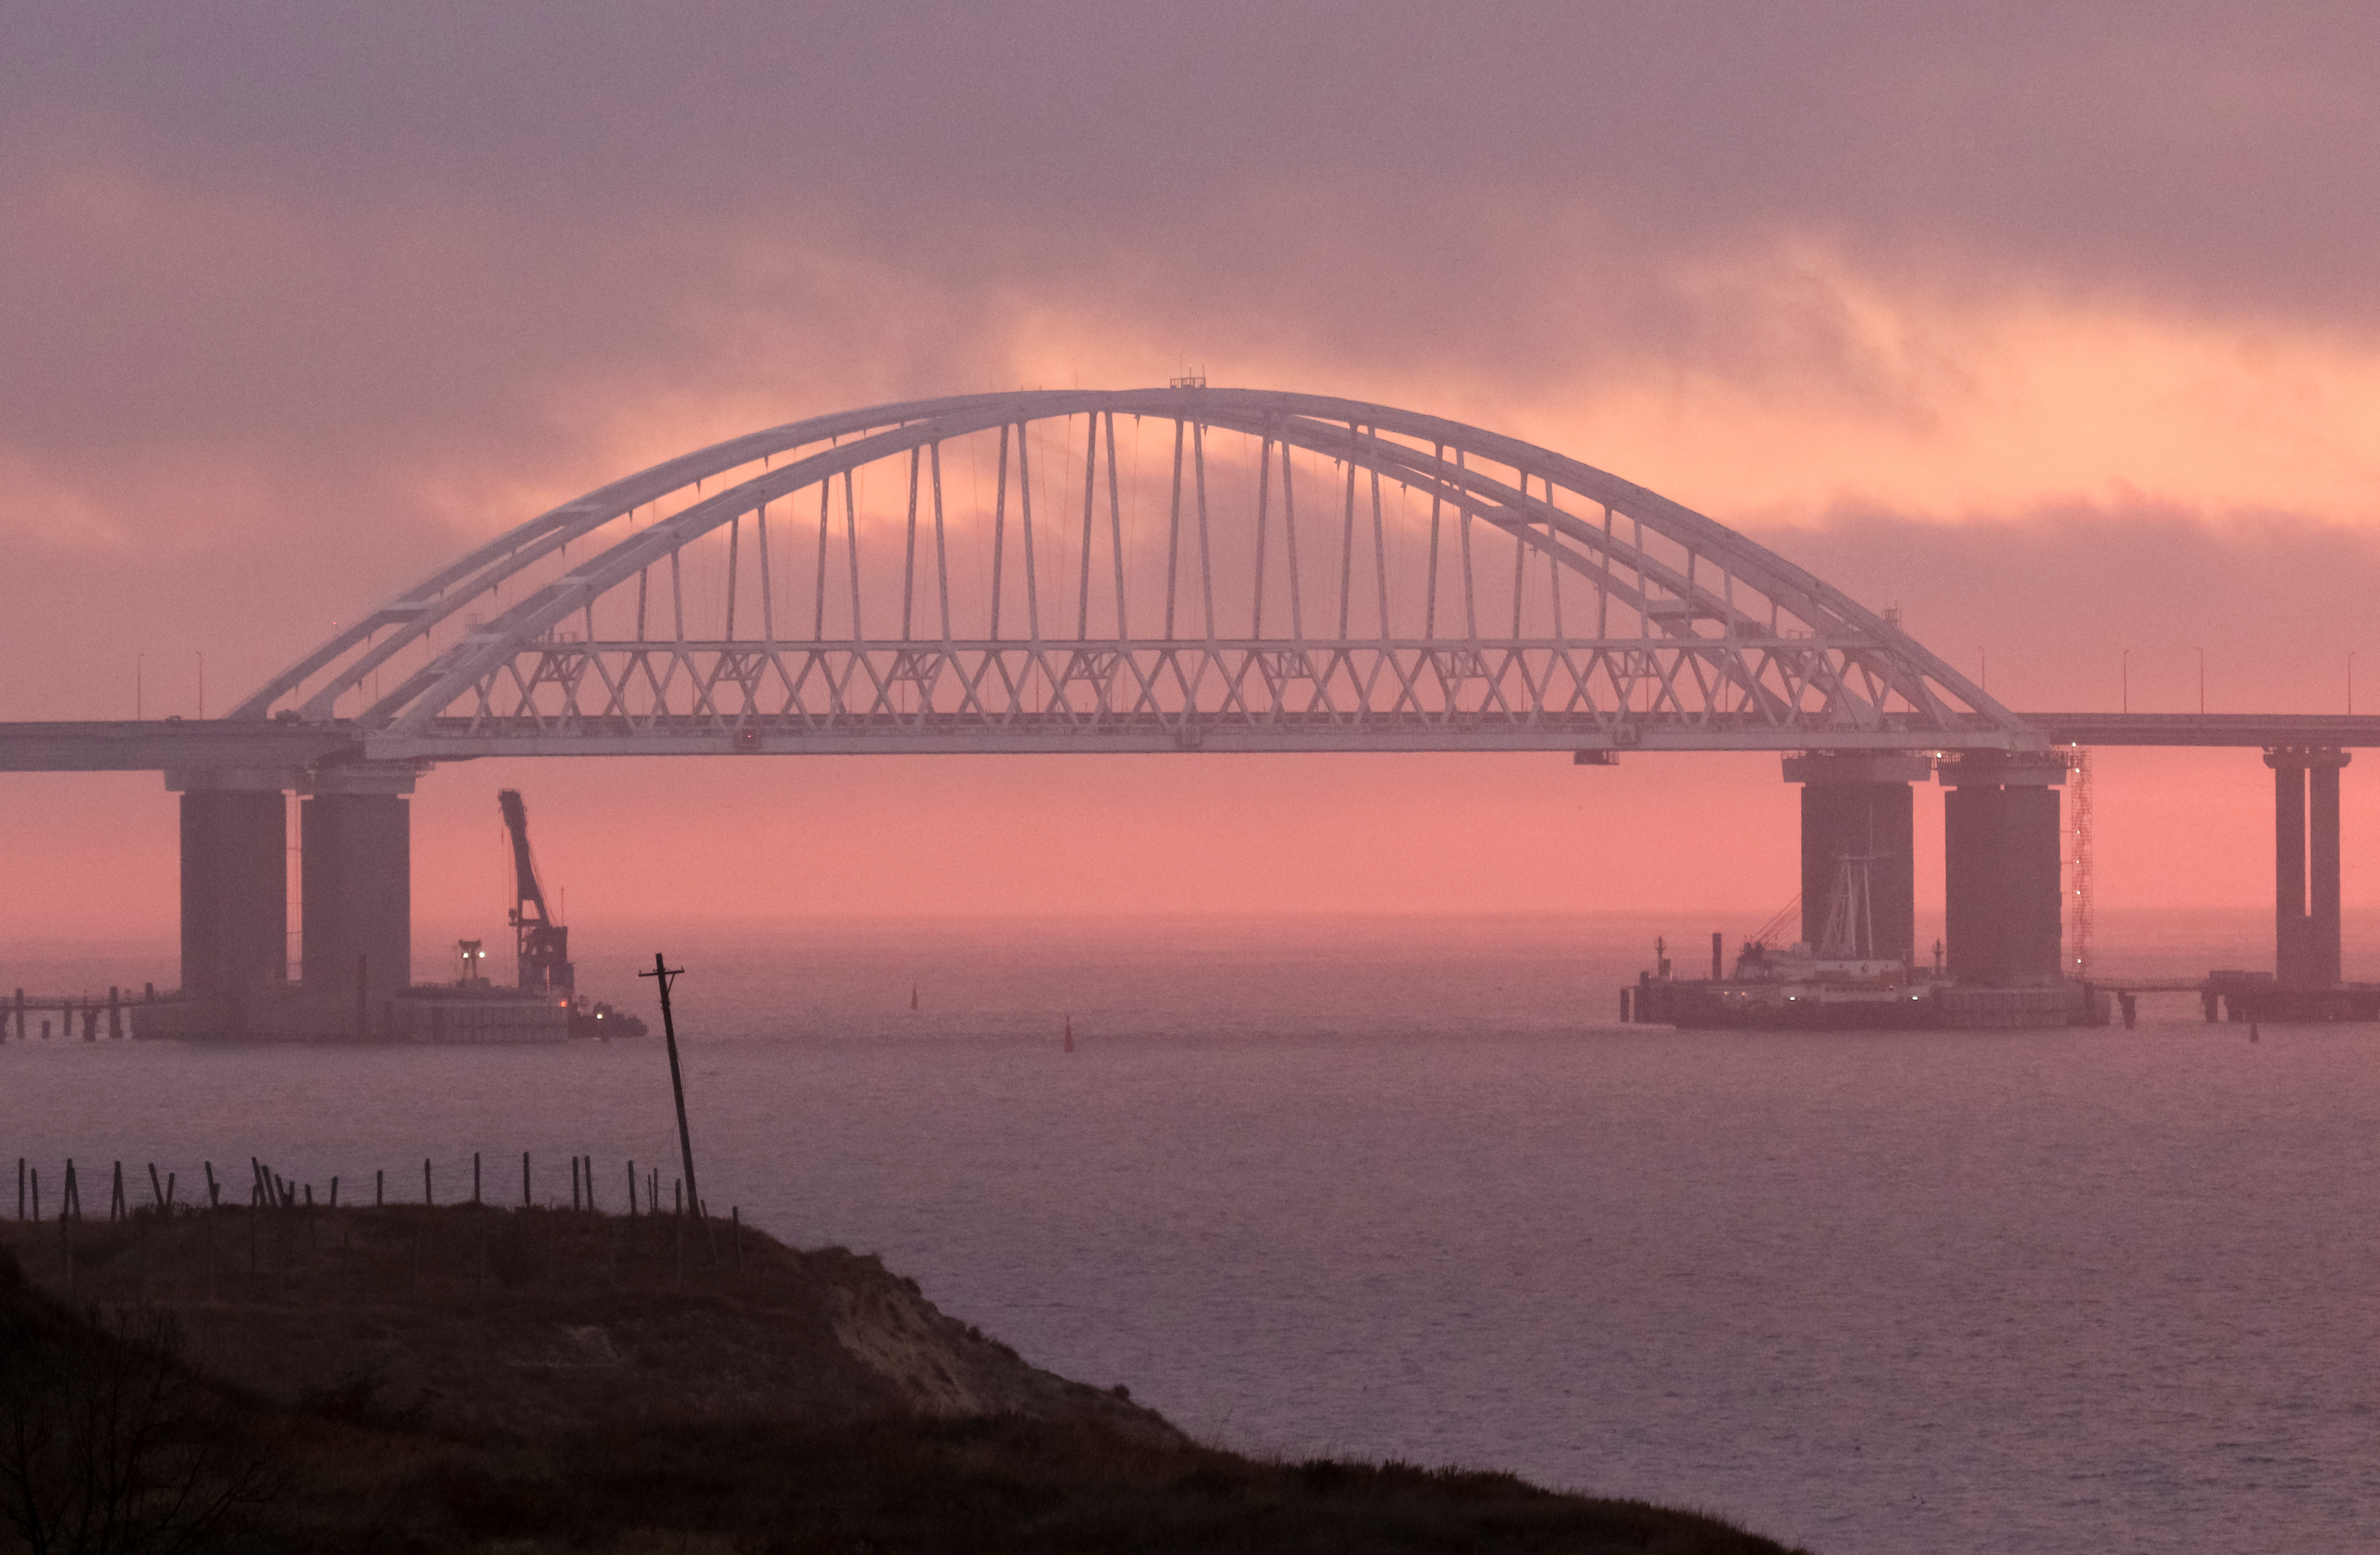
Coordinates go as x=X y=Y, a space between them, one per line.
x=2078 y=863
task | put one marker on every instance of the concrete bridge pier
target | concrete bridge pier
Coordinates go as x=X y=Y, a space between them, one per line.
x=356 y=874
x=1860 y=806
x=2000 y=891
x=2305 y=833
x=234 y=880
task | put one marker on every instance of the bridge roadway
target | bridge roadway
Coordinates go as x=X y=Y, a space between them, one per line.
x=260 y=745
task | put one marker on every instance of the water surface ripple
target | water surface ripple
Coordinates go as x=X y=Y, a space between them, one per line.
x=1399 y=1190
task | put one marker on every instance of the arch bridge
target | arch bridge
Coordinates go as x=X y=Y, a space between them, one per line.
x=1144 y=569
x=1175 y=569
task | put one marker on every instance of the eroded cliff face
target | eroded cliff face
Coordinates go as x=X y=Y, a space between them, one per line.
x=937 y=1366
x=539 y=1320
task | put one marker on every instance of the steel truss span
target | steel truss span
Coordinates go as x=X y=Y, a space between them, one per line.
x=1147 y=569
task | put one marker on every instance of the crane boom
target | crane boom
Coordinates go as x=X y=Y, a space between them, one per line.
x=541 y=945
x=527 y=892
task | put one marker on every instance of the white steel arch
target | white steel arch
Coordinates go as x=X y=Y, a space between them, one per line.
x=1451 y=589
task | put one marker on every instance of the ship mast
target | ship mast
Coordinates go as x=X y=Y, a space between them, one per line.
x=1851 y=917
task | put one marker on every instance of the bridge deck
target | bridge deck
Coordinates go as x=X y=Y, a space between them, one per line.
x=153 y=745
x=2337 y=730
x=228 y=744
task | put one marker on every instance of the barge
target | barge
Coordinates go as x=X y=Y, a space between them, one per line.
x=1842 y=982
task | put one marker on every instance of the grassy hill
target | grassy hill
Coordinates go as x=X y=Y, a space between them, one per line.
x=411 y=1378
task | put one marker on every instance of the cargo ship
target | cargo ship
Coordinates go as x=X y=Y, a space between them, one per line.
x=1793 y=987
x=1842 y=983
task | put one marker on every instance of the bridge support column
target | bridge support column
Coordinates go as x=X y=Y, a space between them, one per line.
x=2001 y=899
x=357 y=875
x=1860 y=806
x=234 y=880
x=2305 y=831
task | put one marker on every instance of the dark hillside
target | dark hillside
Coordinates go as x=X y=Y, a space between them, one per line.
x=405 y=1379
x=544 y=1319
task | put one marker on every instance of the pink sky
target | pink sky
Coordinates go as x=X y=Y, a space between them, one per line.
x=2053 y=325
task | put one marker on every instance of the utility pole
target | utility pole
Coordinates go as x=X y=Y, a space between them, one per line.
x=661 y=973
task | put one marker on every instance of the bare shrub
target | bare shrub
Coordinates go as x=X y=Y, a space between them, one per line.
x=109 y=1446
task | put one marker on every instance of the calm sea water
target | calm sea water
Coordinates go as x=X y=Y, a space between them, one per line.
x=1400 y=1189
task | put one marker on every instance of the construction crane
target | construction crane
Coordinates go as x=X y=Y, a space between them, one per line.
x=541 y=945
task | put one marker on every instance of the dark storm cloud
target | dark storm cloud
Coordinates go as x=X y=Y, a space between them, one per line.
x=273 y=268
x=2217 y=152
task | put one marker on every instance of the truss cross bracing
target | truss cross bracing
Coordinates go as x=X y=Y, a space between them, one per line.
x=1149 y=569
